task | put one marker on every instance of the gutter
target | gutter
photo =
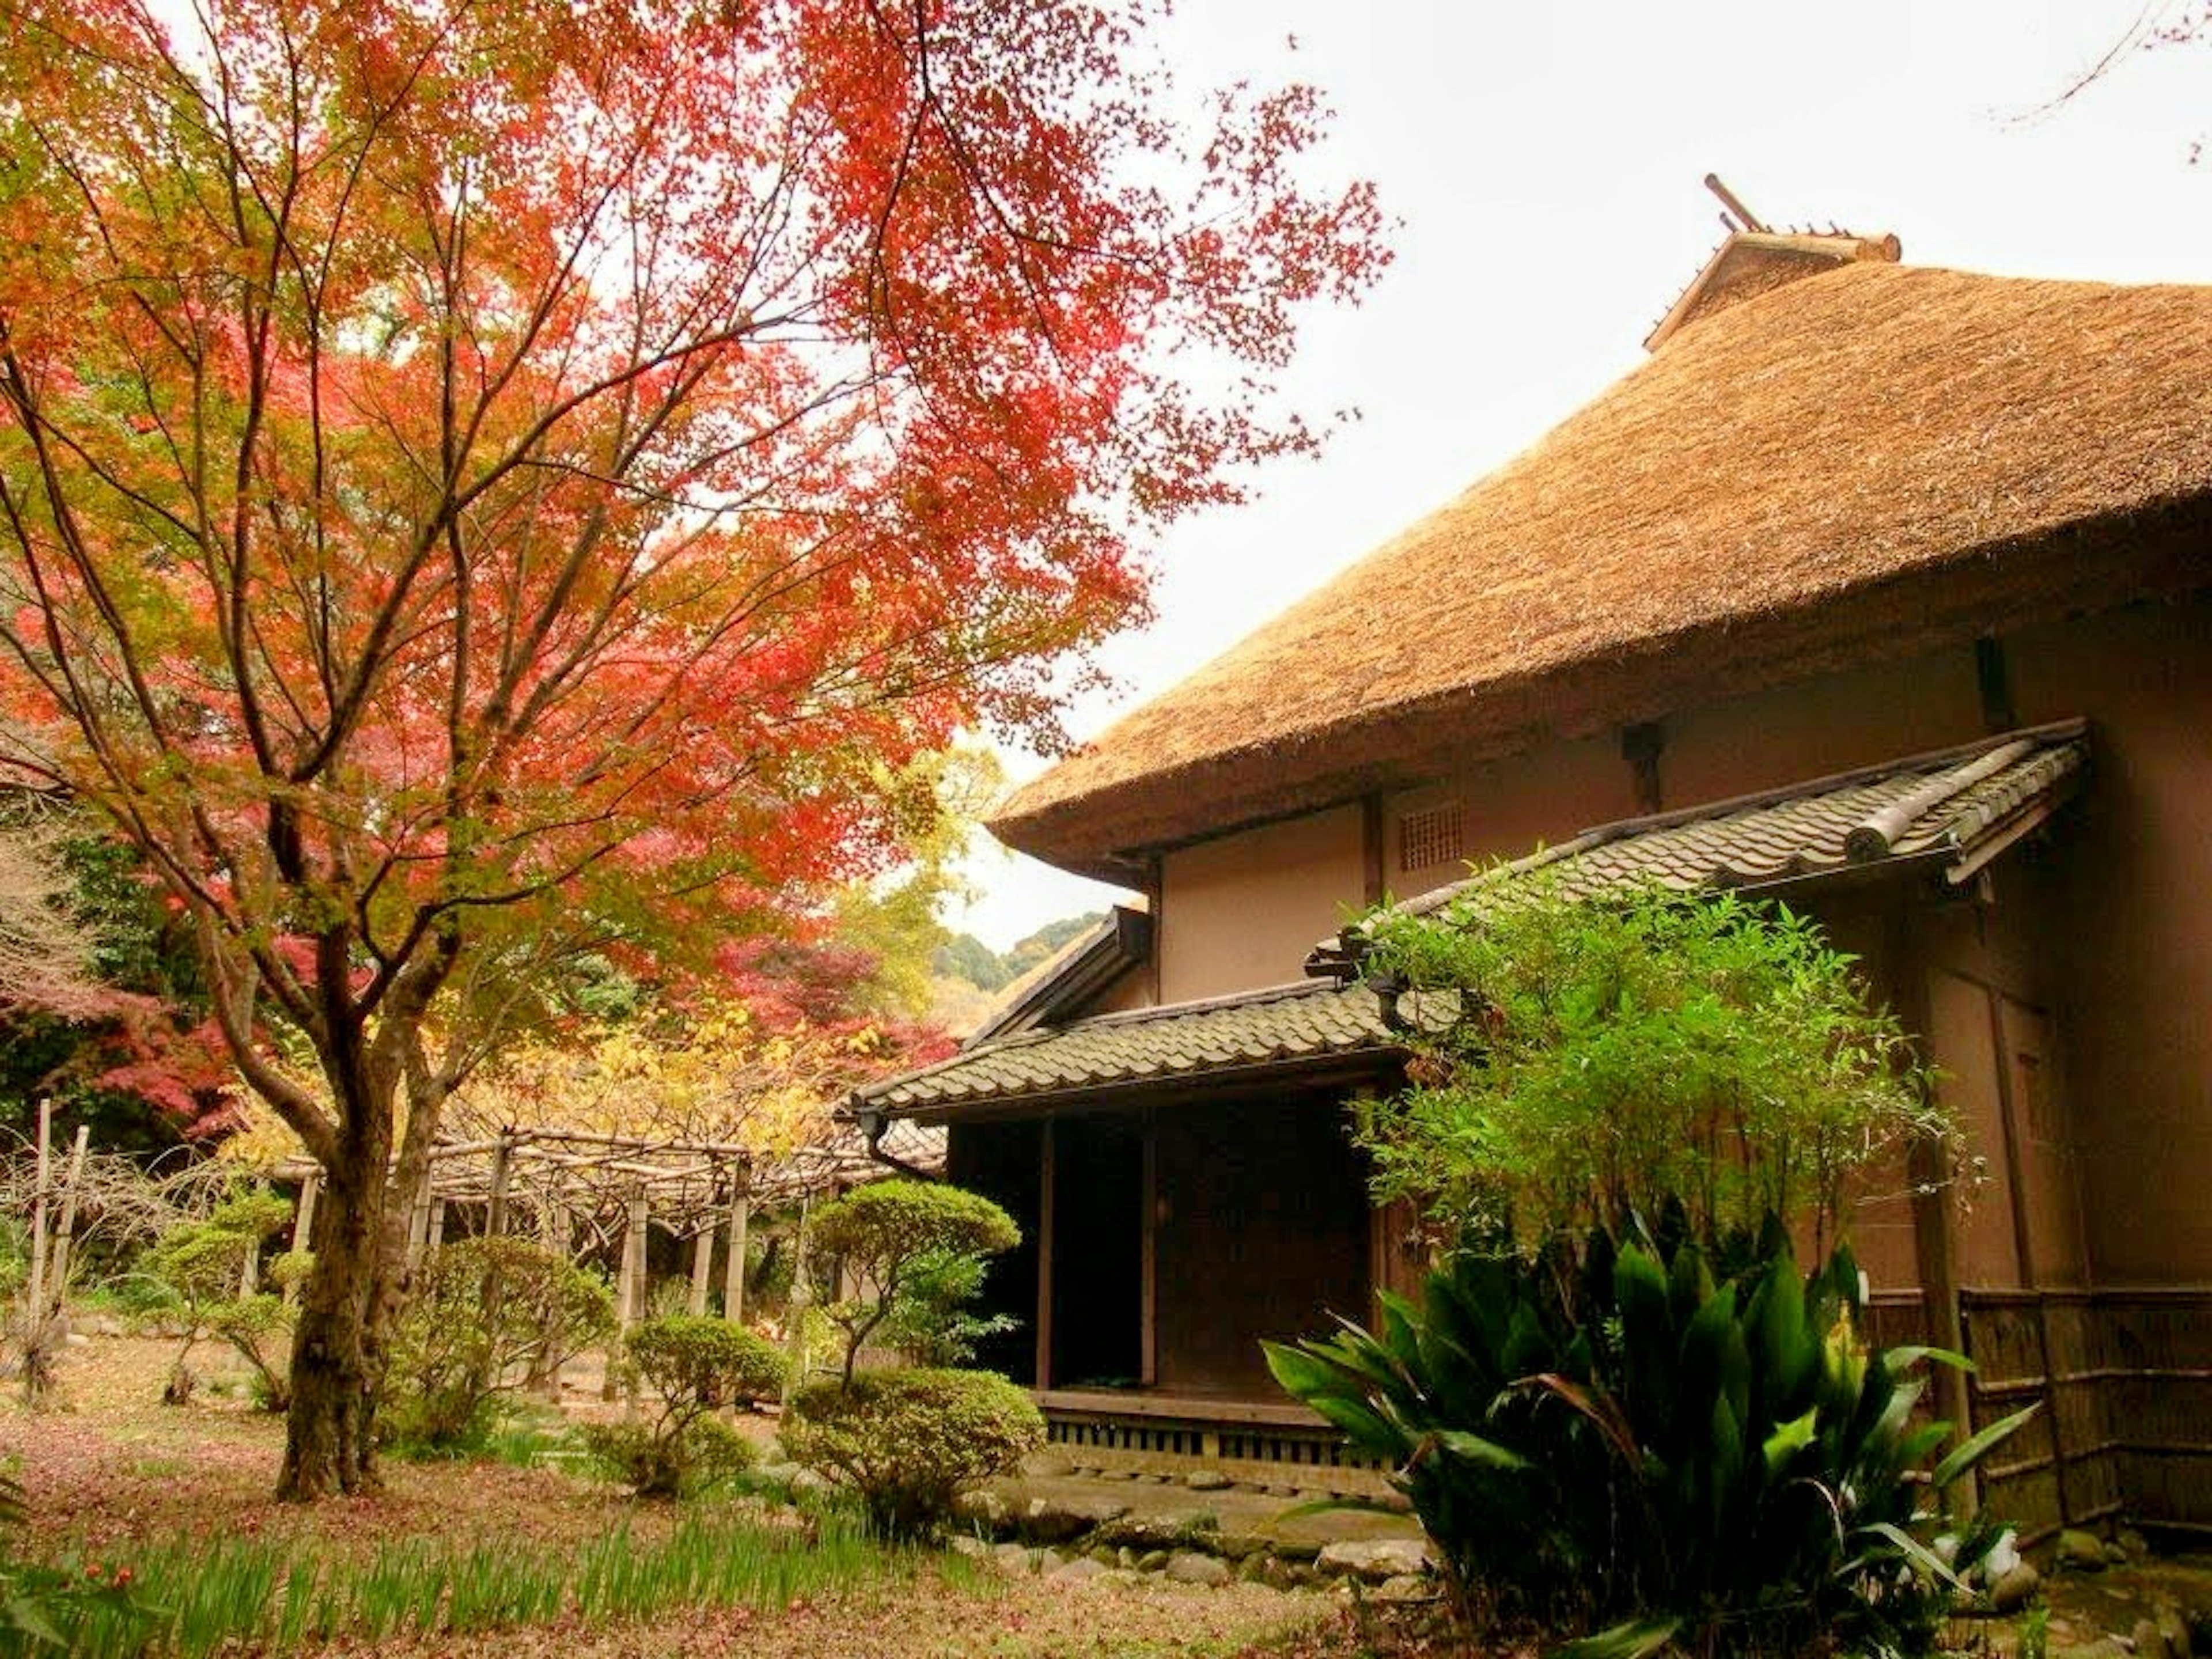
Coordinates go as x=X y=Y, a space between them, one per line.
x=874 y=1121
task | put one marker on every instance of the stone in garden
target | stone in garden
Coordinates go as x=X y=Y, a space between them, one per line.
x=1239 y=1545
x=982 y=1508
x=1081 y=1570
x=2105 y=1647
x=1207 y=1480
x=1279 y=1574
x=1151 y=1561
x=2133 y=1542
x=1374 y=1560
x=2115 y=1554
x=2015 y=1588
x=1406 y=1587
x=1191 y=1567
x=1046 y=1560
x=974 y=1548
x=1056 y=1520
x=1126 y=1559
x=1011 y=1557
x=2175 y=1628
x=2084 y=1551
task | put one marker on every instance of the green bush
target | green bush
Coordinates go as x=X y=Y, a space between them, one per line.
x=657 y=1462
x=693 y=1366
x=697 y=1363
x=200 y=1266
x=488 y=1316
x=897 y=1240
x=933 y=1323
x=1612 y=1436
x=909 y=1442
x=1579 y=1062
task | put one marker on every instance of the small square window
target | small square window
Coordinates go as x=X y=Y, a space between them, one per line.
x=1431 y=837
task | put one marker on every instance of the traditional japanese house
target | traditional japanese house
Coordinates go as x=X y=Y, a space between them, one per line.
x=1882 y=588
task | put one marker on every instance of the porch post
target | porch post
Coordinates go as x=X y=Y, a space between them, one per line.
x=1931 y=1199
x=1148 y=1259
x=1044 y=1257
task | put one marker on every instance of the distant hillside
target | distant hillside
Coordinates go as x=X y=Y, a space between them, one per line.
x=967 y=958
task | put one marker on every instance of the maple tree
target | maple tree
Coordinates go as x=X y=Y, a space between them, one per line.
x=483 y=481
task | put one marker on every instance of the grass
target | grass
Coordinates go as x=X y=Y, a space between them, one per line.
x=182 y=1498
x=200 y=1596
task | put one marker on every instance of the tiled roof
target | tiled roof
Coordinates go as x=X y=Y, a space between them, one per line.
x=1290 y=1023
x=1950 y=811
x=1949 y=806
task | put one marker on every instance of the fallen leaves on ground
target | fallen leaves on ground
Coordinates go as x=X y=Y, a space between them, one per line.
x=111 y=1468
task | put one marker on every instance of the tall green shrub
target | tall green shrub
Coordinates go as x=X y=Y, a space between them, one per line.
x=201 y=1267
x=693 y=1366
x=486 y=1316
x=1576 y=1062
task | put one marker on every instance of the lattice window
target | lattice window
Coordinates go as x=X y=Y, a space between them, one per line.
x=1434 y=835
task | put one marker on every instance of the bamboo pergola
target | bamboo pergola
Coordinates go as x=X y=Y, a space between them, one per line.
x=582 y=1192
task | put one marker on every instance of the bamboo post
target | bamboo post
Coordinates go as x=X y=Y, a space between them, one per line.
x=418 y=1222
x=801 y=1294
x=556 y=1231
x=35 y=1305
x=639 y=1218
x=702 y=1262
x=63 y=1234
x=629 y=1293
x=733 y=1274
x=495 y=1221
x=303 y=1225
x=433 y=1230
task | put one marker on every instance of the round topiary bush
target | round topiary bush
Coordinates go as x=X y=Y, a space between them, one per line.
x=907 y=1441
x=657 y=1462
x=693 y=1361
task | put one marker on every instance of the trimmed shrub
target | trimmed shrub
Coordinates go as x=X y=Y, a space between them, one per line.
x=657 y=1462
x=694 y=1366
x=697 y=1364
x=200 y=1267
x=908 y=1443
x=899 y=1241
x=488 y=1316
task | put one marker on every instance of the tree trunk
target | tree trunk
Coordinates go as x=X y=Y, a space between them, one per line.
x=337 y=1347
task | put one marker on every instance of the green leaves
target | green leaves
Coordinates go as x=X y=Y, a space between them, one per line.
x=1612 y=1054
x=1614 y=1434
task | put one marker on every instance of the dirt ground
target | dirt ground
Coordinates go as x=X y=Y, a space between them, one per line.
x=111 y=1467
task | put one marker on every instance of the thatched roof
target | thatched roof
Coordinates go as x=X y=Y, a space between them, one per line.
x=1867 y=463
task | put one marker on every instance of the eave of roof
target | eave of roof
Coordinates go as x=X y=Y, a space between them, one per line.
x=1944 y=814
x=1273 y=1033
x=1084 y=969
x=1870 y=463
x=1950 y=812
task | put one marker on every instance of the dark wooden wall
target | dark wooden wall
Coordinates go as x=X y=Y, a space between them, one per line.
x=1262 y=1230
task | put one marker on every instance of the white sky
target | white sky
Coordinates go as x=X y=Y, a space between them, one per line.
x=1545 y=160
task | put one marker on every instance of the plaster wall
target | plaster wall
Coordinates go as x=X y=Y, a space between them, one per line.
x=1239 y=912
